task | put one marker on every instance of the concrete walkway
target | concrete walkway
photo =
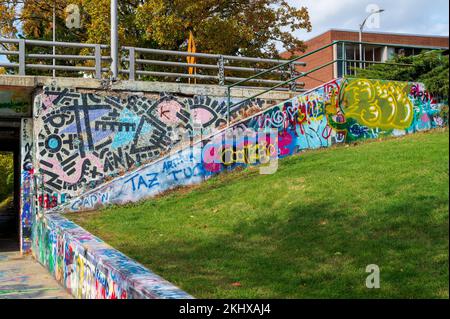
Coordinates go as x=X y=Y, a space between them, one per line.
x=24 y=278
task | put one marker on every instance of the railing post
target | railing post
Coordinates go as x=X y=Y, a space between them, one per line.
x=292 y=74
x=132 y=64
x=114 y=45
x=228 y=105
x=98 y=62
x=221 y=65
x=344 y=60
x=22 y=57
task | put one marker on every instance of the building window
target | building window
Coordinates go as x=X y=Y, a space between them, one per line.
x=405 y=52
x=352 y=59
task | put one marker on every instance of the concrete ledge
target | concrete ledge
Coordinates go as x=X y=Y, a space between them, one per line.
x=35 y=82
x=89 y=268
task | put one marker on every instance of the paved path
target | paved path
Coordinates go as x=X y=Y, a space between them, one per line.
x=24 y=278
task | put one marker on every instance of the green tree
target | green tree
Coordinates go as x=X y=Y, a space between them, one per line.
x=430 y=68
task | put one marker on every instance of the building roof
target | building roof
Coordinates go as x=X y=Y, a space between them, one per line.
x=379 y=32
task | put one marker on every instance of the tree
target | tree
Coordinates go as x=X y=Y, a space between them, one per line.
x=235 y=27
x=6 y=175
x=430 y=68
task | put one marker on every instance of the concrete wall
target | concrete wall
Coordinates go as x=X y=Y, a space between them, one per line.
x=90 y=269
x=337 y=112
x=84 y=139
x=88 y=137
x=27 y=185
x=85 y=135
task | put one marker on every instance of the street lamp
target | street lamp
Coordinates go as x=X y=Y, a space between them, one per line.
x=361 y=28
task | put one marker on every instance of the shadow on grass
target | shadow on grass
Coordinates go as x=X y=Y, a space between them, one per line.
x=316 y=252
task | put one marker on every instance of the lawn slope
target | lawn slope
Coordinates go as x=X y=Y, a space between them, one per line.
x=308 y=231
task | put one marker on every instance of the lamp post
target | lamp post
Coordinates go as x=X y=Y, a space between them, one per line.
x=114 y=41
x=361 y=28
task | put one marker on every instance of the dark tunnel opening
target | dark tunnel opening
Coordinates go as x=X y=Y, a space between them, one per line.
x=10 y=210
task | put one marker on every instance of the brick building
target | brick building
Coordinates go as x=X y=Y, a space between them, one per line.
x=385 y=45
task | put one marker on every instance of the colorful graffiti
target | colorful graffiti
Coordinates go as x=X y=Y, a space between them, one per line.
x=90 y=269
x=378 y=104
x=341 y=111
x=27 y=186
x=86 y=139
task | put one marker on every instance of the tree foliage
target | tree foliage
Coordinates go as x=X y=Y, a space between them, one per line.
x=247 y=27
x=6 y=175
x=430 y=68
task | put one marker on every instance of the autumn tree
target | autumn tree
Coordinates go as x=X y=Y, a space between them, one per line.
x=235 y=27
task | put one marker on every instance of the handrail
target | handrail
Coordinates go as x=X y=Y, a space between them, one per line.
x=207 y=55
x=282 y=65
x=327 y=46
x=303 y=74
x=133 y=61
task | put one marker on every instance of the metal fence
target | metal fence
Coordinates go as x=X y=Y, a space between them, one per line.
x=93 y=60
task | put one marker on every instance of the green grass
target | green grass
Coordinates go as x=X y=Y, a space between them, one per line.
x=308 y=231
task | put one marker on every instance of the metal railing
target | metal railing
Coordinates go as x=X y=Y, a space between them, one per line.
x=23 y=58
x=222 y=63
x=139 y=63
x=344 y=71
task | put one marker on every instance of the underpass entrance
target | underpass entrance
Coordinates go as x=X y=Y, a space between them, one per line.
x=9 y=185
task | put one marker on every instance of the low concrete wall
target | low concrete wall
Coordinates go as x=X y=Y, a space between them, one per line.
x=90 y=269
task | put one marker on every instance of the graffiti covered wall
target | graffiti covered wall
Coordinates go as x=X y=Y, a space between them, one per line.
x=90 y=269
x=341 y=111
x=27 y=186
x=84 y=139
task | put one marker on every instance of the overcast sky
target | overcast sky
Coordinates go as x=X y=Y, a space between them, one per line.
x=428 y=17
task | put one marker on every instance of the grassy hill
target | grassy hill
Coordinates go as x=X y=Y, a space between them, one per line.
x=308 y=231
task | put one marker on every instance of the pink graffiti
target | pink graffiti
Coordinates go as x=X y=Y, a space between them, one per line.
x=285 y=140
x=78 y=167
x=167 y=111
x=419 y=93
x=201 y=116
x=47 y=102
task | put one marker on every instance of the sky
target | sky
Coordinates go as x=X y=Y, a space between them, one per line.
x=427 y=17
